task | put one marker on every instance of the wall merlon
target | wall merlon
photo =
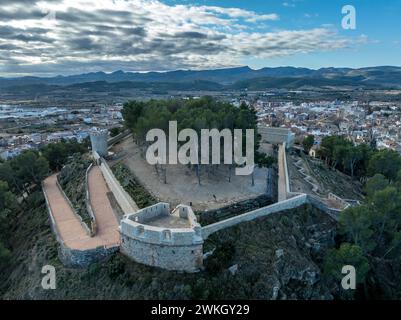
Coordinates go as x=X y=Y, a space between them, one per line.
x=146 y=214
x=159 y=235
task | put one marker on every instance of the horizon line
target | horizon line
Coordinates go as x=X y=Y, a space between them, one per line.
x=22 y=75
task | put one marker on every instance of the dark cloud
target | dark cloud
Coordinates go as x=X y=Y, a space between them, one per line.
x=64 y=36
x=191 y=34
x=137 y=31
x=21 y=13
x=32 y=35
x=83 y=44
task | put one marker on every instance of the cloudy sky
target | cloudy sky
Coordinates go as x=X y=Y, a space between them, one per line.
x=50 y=37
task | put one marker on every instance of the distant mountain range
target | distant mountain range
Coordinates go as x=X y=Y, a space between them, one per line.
x=231 y=78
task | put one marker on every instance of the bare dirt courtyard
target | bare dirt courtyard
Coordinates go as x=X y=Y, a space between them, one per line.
x=182 y=185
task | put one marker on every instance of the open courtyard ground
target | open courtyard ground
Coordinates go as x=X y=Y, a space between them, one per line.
x=182 y=185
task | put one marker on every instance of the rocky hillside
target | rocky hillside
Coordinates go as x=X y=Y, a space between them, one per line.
x=276 y=257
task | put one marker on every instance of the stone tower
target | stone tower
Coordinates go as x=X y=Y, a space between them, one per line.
x=99 y=141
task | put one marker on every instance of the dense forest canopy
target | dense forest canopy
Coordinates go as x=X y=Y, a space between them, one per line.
x=369 y=234
x=196 y=114
x=360 y=160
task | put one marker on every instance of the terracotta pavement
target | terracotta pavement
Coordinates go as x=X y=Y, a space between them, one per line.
x=69 y=227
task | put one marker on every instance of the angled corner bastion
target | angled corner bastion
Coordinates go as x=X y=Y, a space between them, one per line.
x=157 y=237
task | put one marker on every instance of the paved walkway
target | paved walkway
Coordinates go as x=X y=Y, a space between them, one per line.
x=107 y=224
x=70 y=230
x=69 y=227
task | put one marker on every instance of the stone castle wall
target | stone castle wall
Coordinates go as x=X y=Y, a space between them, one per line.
x=125 y=202
x=118 y=138
x=83 y=258
x=146 y=214
x=170 y=248
x=178 y=249
x=286 y=173
x=187 y=258
x=292 y=203
x=99 y=142
x=321 y=205
x=278 y=207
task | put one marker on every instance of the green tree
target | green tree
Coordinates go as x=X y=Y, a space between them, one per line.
x=30 y=167
x=5 y=255
x=7 y=205
x=57 y=154
x=375 y=226
x=356 y=225
x=7 y=198
x=376 y=183
x=8 y=174
x=386 y=218
x=398 y=180
x=347 y=254
x=333 y=149
x=385 y=162
x=308 y=143
x=132 y=111
x=351 y=158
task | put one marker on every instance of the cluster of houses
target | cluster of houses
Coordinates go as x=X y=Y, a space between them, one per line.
x=375 y=123
x=56 y=124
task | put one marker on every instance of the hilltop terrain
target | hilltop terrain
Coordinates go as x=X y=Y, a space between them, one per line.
x=265 y=263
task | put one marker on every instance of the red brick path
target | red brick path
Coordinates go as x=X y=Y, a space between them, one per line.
x=69 y=227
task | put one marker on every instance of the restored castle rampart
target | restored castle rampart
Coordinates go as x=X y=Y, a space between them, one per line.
x=125 y=202
x=249 y=216
x=99 y=141
x=156 y=237
x=288 y=204
x=118 y=138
